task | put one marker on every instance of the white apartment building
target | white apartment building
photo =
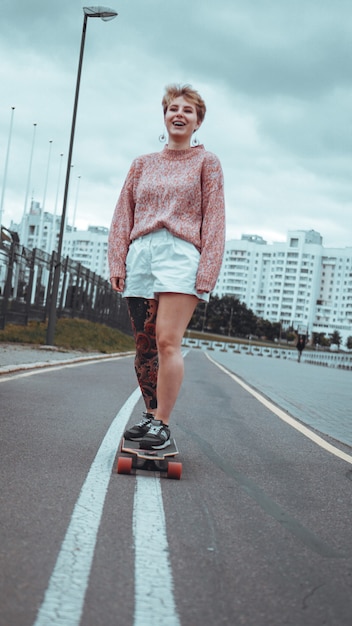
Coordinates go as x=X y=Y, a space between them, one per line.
x=38 y=229
x=298 y=282
x=41 y=230
x=88 y=247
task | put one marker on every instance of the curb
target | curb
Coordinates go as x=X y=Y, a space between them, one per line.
x=11 y=369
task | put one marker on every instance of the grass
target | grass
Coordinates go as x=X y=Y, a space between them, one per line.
x=71 y=334
x=191 y=334
x=76 y=334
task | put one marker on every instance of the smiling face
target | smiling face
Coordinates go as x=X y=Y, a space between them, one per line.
x=181 y=121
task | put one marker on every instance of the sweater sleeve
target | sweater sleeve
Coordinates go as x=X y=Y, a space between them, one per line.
x=121 y=227
x=213 y=224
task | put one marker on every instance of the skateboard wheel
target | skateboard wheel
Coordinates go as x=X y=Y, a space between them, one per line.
x=174 y=470
x=124 y=465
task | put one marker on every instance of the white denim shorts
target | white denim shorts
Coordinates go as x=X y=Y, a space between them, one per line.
x=160 y=262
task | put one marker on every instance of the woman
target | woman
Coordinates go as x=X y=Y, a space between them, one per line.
x=166 y=244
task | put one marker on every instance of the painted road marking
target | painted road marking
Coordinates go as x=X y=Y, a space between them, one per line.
x=64 y=597
x=154 y=598
x=285 y=417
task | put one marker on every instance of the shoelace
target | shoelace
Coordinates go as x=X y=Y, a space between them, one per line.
x=145 y=420
x=155 y=430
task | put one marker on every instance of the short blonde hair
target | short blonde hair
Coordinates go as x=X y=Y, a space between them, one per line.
x=190 y=94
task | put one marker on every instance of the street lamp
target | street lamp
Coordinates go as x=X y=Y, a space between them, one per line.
x=105 y=14
x=5 y=170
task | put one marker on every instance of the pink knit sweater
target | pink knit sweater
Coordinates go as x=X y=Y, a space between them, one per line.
x=180 y=190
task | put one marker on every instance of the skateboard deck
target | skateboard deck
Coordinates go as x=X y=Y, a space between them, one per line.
x=132 y=456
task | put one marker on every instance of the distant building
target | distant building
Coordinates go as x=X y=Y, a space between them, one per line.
x=41 y=230
x=89 y=247
x=298 y=282
x=38 y=229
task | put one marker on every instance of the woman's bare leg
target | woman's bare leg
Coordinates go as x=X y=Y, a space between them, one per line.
x=174 y=313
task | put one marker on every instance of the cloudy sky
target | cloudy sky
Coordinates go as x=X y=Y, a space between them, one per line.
x=275 y=75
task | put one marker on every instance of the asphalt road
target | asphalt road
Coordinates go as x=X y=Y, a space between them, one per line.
x=257 y=532
x=316 y=395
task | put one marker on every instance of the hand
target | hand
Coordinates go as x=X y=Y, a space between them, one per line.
x=117 y=284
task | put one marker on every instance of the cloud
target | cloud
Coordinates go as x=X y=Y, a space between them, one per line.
x=275 y=77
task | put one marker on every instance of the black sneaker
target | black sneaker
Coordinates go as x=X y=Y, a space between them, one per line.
x=157 y=437
x=136 y=432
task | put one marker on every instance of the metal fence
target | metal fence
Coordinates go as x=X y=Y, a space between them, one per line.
x=26 y=278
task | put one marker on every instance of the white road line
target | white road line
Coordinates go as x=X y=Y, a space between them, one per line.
x=64 y=597
x=285 y=417
x=154 y=598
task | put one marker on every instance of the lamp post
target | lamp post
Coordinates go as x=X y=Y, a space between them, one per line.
x=52 y=239
x=105 y=14
x=41 y=218
x=24 y=218
x=76 y=203
x=5 y=170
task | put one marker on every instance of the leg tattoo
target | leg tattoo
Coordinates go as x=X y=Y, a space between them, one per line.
x=143 y=317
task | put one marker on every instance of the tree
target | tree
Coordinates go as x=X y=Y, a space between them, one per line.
x=320 y=340
x=228 y=316
x=199 y=318
x=266 y=329
x=349 y=343
x=336 y=338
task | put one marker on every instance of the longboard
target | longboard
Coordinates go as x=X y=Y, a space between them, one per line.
x=135 y=457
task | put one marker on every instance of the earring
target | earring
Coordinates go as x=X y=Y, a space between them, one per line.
x=195 y=141
x=162 y=137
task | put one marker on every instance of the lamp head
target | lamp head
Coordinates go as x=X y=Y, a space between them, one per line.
x=104 y=13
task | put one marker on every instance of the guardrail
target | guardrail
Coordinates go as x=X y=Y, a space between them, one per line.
x=326 y=359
